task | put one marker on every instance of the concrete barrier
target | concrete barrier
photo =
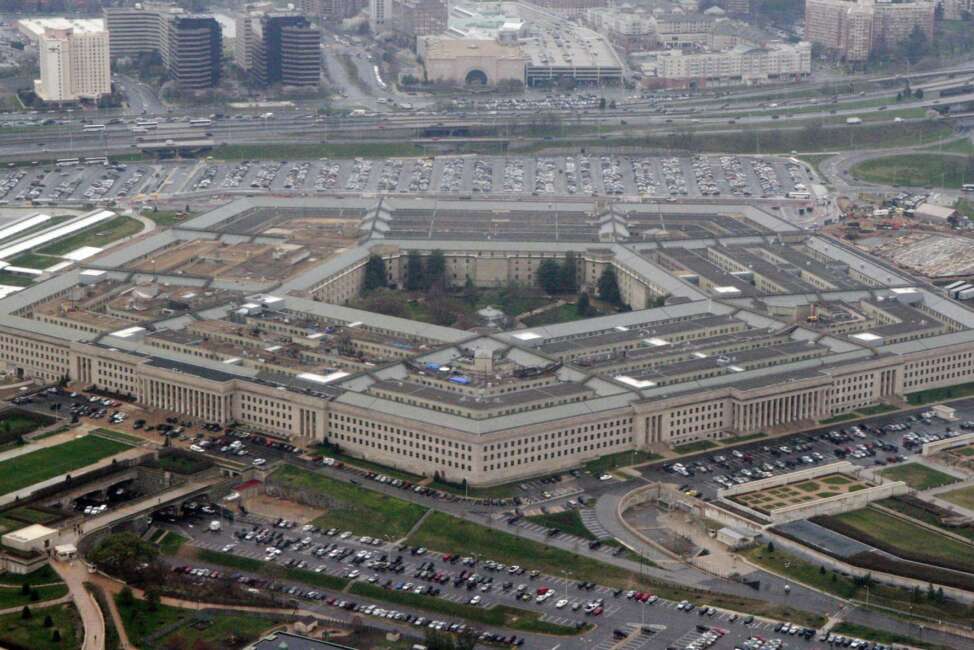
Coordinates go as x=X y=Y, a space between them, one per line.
x=931 y=448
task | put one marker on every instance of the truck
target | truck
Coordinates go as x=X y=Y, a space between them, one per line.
x=853 y=120
x=214 y=526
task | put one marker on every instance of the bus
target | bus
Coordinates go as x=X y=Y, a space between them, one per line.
x=201 y=121
x=67 y=162
x=967 y=187
x=799 y=195
x=92 y=128
x=96 y=160
x=147 y=124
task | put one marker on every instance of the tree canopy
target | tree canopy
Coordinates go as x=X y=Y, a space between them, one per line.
x=609 y=286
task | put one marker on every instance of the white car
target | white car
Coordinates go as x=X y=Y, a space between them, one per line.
x=561 y=603
x=475 y=600
x=259 y=461
x=605 y=477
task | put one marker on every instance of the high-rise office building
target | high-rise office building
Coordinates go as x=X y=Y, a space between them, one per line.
x=190 y=46
x=279 y=48
x=73 y=58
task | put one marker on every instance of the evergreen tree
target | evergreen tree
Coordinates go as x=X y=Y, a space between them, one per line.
x=549 y=276
x=609 y=286
x=375 y=274
x=469 y=291
x=152 y=599
x=48 y=621
x=770 y=547
x=916 y=45
x=436 y=270
x=56 y=637
x=26 y=614
x=125 y=597
x=415 y=276
x=583 y=306
x=569 y=273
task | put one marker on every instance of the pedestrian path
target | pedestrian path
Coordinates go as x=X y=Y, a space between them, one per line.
x=591 y=521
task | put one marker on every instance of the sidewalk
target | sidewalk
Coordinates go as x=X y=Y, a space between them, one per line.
x=74 y=575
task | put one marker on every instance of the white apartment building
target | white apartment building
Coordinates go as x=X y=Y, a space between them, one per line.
x=379 y=12
x=73 y=58
x=855 y=28
x=739 y=65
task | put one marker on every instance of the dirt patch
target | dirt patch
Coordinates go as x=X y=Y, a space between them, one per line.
x=272 y=508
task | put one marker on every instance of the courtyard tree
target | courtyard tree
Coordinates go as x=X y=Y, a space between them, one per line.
x=375 y=274
x=609 y=286
x=549 y=276
x=569 y=273
x=583 y=306
x=415 y=275
x=436 y=270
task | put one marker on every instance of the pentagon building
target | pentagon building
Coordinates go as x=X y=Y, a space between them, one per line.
x=240 y=315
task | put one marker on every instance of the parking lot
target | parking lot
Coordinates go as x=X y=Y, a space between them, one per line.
x=620 y=617
x=573 y=175
x=77 y=182
x=875 y=442
x=664 y=177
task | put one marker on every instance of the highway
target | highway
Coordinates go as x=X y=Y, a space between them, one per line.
x=297 y=125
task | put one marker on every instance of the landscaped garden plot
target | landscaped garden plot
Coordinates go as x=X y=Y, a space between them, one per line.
x=804 y=491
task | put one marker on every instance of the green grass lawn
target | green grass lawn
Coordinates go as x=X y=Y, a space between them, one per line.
x=841 y=417
x=733 y=440
x=32 y=633
x=792 y=566
x=560 y=314
x=171 y=543
x=44 y=575
x=100 y=235
x=917 y=476
x=32 y=260
x=567 y=521
x=621 y=459
x=139 y=622
x=882 y=636
x=307 y=151
x=965 y=207
x=910 y=539
x=963 y=497
x=960 y=145
x=15 y=279
x=501 y=616
x=119 y=436
x=378 y=468
x=876 y=409
x=227 y=631
x=927 y=517
x=502 y=491
x=167 y=217
x=362 y=511
x=25 y=470
x=694 y=447
x=15 y=423
x=13 y=597
x=940 y=394
x=918 y=169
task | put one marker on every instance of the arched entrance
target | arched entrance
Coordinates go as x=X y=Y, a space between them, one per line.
x=476 y=78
